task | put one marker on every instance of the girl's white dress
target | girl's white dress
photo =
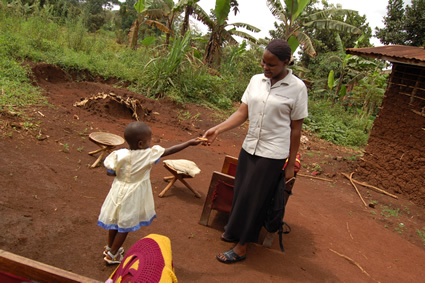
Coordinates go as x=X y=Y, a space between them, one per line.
x=129 y=203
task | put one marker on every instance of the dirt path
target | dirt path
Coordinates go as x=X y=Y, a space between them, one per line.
x=50 y=199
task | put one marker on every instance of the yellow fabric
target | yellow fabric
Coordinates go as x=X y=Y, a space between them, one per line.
x=164 y=243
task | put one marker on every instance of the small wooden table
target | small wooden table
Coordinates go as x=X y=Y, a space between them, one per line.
x=107 y=142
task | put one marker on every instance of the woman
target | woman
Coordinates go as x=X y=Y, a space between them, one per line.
x=275 y=104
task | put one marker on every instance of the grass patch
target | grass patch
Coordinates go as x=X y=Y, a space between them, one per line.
x=334 y=124
x=400 y=228
x=16 y=88
x=388 y=212
x=421 y=234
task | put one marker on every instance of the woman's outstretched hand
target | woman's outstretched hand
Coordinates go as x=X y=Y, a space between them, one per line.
x=210 y=136
x=236 y=119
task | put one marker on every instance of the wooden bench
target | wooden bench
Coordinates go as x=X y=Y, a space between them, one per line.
x=31 y=270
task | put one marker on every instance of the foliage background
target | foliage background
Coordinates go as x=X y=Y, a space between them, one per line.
x=89 y=36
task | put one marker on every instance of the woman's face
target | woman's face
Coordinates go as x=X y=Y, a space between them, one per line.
x=273 y=67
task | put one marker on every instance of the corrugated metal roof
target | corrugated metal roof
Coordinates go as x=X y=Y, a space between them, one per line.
x=394 y=53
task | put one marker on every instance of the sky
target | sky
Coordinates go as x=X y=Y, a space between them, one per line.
x=260 y=16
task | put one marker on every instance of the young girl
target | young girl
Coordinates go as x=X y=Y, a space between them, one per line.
x=129 y=203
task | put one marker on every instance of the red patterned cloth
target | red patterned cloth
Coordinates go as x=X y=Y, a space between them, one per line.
x=148 y=260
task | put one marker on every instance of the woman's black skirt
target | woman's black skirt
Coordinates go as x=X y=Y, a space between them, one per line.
x=255 y=182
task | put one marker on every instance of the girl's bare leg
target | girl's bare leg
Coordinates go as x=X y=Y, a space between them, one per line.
x=118 y=241
x=111 y=237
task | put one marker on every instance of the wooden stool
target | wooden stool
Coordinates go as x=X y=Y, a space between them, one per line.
x=106 y=142
x=172 y=179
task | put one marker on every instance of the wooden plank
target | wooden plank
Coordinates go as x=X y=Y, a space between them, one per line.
x=409 y=95
x=37 y=271
x=409 y=86
x=417 y=112
x=228 y=162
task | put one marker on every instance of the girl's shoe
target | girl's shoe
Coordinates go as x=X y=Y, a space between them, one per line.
x=113 y=259
x=108 y=249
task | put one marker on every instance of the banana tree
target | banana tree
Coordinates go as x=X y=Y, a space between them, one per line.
x=294 y=20
x=187 y=6
x=166 y=10
x=147 y=14
x=357 y=68
x=221 y=32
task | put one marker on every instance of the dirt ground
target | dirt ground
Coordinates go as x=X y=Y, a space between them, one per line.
x=50 y=198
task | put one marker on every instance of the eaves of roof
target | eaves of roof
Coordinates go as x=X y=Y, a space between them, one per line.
x=404 y=54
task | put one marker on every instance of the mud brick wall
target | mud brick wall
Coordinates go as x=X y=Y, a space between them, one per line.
x=395 y=154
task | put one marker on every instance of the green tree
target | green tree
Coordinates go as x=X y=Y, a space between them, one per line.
x=369 y=93
x=187 y=6
x=353 y=67
x=221 y=32
x=162 y=11
x=294 y=21
x=393 y=32
x=415 y=23
x=145 y=11
x=325 y=41
x=95 y=13
x=127 y=14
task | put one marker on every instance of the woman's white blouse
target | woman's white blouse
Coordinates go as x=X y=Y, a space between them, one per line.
x=270 y=111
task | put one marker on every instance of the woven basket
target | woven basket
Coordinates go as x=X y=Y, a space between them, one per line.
x=106 y=138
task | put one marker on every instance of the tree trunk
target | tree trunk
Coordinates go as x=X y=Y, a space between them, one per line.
x=213 y=48
x=134 y=33
x=187 y=13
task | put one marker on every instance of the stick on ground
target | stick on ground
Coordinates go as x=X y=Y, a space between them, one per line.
x=350 y=260
x=370 y=186
x=308 y=176
x=348 y=229
x=351 y=180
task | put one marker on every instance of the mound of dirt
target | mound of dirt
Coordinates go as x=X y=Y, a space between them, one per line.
x=49 y=74
x=112 y=106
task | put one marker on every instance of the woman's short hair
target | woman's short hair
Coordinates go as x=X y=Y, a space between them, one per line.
x=280 y=48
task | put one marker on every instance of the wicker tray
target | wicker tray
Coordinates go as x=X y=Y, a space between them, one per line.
x=106 y=138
